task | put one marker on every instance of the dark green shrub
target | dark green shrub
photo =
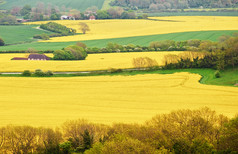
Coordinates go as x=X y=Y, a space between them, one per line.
x=41 y=36
x=114 y=70
x=66 y=147
x=49 y=73
x=2 y=42
x=26 y=73
x=55 y=35
x=217 y=74
x=39 y=73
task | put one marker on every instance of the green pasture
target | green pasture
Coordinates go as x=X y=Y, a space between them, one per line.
x=106 y=4
x=138 y=40
x=197 y=13
x=81 y=5
x=19 y=33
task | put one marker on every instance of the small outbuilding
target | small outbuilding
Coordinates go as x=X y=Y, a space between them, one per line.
x=64 y=17
x=92 y=17
x=38 y=57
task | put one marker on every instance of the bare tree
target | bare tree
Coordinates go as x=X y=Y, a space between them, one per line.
x=84 y=27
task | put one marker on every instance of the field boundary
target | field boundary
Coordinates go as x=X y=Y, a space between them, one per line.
x=206 y=74
x=136 y=40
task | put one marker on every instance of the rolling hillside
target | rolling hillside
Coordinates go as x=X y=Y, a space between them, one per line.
x=81 y=5
x=19 y=34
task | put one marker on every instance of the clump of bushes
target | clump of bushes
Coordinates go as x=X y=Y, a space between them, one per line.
x=37 y=73
x=217 y=74
x=40 y=73
x=26 y=73
x=114 y=70
x=58 y=28
x=41 y=36
x=2 y=43
x=144 y=62
x=72 y=52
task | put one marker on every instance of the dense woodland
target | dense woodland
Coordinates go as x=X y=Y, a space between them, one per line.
x=182 y=131
x=174 y=4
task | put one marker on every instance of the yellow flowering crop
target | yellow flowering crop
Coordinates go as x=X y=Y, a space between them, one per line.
x=107 y=99
x=92 y=62
x=104 y=29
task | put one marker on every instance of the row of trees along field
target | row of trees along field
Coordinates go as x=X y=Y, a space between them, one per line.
x=42 y=12
x=58 y=28
x=173 y=4
x=165 y=45
x=182 y=131
x=217 y=55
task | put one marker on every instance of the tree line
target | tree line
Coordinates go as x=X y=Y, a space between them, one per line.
x=217 y=55
x=43 y=12
x=7 y=19
x=181 y=131
x=173 y=4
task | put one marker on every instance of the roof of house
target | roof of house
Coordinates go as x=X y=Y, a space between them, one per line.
x=92 y=17
x=38 y=56
x=19 y=58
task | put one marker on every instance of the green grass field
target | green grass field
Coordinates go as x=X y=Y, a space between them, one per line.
x=81 y=5
x=19 y=34
x=139 y=40
x=106 y=4
x=209 y=13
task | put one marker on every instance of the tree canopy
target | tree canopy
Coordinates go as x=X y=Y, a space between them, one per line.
x=72 y=52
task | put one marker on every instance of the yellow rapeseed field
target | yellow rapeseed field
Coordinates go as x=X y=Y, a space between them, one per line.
x=104 y=29
x=92 y=62
x=107 y=99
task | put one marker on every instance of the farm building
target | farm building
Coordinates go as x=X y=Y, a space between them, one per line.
x=64 y=17
x=92 y=18
x=33 y=57
x=38 y=57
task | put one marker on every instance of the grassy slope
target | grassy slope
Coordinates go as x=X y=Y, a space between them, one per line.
x=81 y=5
x=106 y=4
x=19 y=34
x=139 y=40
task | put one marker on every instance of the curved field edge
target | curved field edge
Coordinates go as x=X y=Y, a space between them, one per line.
x=122 y=99
x=137 y=40
x=228 y=77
